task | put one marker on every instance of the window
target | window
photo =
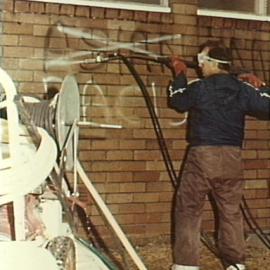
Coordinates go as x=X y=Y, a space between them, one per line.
x=240 y=9
x=143 y=5
x=239 y=5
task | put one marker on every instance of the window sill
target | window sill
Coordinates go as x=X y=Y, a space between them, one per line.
x=129 y=6
x=233 y=15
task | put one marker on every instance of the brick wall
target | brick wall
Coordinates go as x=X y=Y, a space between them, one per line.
x=125 y=163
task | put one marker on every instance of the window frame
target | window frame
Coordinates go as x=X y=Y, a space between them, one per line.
x=260 y=12
x=163 y=7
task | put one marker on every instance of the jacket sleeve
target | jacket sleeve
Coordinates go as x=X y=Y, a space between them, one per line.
x=181 y=94
x=258 y=102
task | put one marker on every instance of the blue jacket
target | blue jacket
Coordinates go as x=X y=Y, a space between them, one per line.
x=217 y=106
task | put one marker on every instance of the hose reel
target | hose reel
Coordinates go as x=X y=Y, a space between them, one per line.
x=58 y=115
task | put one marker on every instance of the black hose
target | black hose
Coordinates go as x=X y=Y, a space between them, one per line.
x=254 y=226
x=155 y=121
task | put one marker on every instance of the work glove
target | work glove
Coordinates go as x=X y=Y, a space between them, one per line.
x=178 y=65
x=251 y=79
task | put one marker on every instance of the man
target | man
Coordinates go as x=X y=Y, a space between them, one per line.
x=217 y=105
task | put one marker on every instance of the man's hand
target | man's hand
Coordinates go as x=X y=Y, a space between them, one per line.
x=178 y=65
x=251 y=79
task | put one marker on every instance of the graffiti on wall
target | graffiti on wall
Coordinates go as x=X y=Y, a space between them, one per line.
x=61 y=53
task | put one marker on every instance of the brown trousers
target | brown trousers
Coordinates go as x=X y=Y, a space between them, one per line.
x=215 y=169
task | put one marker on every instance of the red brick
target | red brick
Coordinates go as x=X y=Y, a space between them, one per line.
x=10 y=63
x=166 y=18
x=255 y=164
x=37 y=7
x=146 y=197
x=256 y=144
x=140 y=16
x=249 y=154
x=146 y=133
x=159 y=186
x=254 y=25
x=265 y=26
x=126 y=14
x=132 y=208
x=9 y=6
x=119 y=198
x=34 y=88
x=187 y=20
x=28 y=41
x=52 y=8
x=119 y=155
x=264 y=173
x=92 y=155
x=154 y=17
x=256 y=184
x=263 y=134
x=205 y=21
x=99 y=177
x=106 y=79
x=18 y=28
x=18 y=52
x=242 y=24
x=262 y=193
x=125 y=219
x=82 y=11
x=262 y=213
x=119 y=177
x=166 y=197
x=158 y=207
x=217 y=22
x=228 y=23
x=40 y=30
x=155 y=165
x=180 y=144
x=106 y=144
x=184 y=9
x=97 y=13
x=132 y=144
x=147 y=155
x=259 y=203
x=264 y=154
x=92 y=133
x=250 y=174
x=133 y=187
x=122 y=133
x=67 y=10
x=119 y=166
x=111 y=13
x=147 y=176
x=22 y=6
x=9 y=40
